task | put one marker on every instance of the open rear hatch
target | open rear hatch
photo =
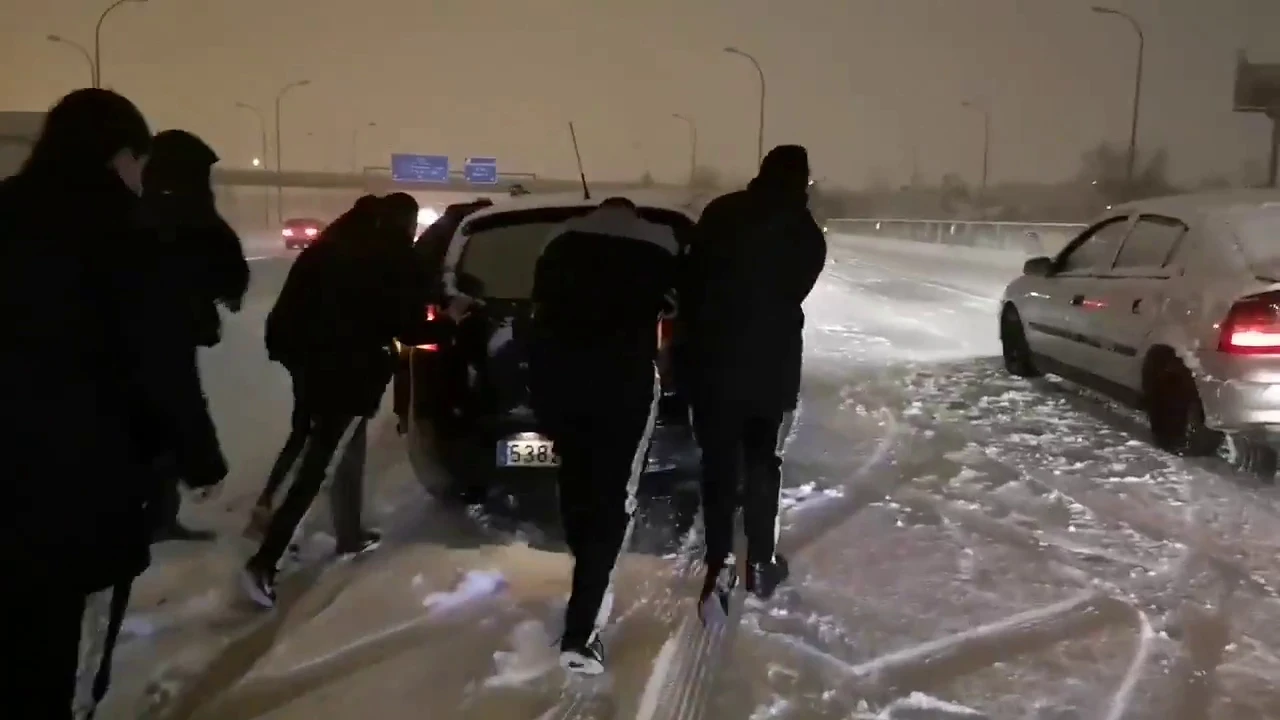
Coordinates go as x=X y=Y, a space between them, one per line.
x=493 y=258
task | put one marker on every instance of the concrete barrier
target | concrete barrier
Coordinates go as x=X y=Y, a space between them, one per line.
x=982 y=272
x=1029 y=238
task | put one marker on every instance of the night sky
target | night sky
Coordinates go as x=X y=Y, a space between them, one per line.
x=861 y=82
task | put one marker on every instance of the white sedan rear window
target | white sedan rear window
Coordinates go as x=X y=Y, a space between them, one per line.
x=502 y=259
x=1258 y=230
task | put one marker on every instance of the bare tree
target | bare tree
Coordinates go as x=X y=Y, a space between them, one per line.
x=1106 y=167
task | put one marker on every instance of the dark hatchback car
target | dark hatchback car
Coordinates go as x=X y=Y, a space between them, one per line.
x=466 y=405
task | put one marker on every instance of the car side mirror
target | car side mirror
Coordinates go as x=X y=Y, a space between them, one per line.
x=1038 y=266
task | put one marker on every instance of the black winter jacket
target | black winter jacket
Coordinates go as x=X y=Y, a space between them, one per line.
x=343 y=303
x=99 y=385
x=204 y=250
x=755 y=256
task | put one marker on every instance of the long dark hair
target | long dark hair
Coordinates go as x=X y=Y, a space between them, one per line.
x=84 y=131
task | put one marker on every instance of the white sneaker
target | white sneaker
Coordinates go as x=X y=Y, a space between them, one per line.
x=585 y=660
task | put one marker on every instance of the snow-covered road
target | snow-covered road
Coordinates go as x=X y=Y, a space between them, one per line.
x=959 y=539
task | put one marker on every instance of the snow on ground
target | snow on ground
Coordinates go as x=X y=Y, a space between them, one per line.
x=964 y=545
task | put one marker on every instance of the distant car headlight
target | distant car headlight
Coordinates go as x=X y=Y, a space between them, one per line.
x=427 y=216
x=311 y=232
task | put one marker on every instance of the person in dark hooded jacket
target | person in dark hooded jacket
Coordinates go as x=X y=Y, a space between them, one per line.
x=294 y=300
x=92 y=368
x=346 y=300
x=755 y=256
x=203 y=251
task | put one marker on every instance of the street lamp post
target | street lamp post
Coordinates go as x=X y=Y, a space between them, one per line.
x=355 y=145
x=279 y=152
x=1137 y=86
x=97 y=40
x=986 y=141
x=93 y=71
x=693 y=145
x=760 y=136
x=262 y=130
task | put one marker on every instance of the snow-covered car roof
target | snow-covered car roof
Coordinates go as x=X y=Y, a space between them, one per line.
x=1194 y=206
x=686 y=203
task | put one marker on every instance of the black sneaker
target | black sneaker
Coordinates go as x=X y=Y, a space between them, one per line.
x=717 y=589
x=259 y=584
x=368 y=541
x=583 y=659
x=763 y=578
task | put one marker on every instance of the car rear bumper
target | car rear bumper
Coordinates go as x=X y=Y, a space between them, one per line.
x=672 y=449
x=1240 y=394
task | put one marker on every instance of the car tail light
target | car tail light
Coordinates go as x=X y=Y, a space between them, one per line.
x=431 y=313
x=311 y=232
x=665 y=330
x=1252 y=326
x=287 y=232
x=427 y=348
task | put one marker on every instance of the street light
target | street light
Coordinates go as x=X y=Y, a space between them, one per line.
x=279 y=152
x=355 y=145
x=97 y=40
x=693 y=145
x=760 y=138
x=258 y=161
x=1137 y=86
x=262 y=130
x=93 y=73
x=986 y=140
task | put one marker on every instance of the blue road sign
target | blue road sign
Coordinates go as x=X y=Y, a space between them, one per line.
x=481 y=171
x=420 y=168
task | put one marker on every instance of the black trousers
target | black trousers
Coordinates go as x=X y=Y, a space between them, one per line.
x=741 y=462
x=341 y=437
x=63 y=642
x=603 y=446
x=299 y=428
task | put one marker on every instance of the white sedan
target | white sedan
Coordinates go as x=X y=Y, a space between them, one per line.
x=1170 y=304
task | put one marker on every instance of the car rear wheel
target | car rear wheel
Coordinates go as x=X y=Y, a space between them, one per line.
x=1174 y=410
x=1018 y=359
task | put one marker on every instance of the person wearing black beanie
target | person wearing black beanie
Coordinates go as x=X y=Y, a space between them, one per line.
x=202 y=255
x=755 y=257
x=91 y=368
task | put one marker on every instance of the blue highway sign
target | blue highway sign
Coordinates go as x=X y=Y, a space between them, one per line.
x=481 y=171
x=420 y=168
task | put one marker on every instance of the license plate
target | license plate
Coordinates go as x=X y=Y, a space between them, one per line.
x=527 y=453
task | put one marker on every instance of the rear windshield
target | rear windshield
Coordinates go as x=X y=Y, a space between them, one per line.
x=502 y=250
x=305 y=222
x=1258 y=230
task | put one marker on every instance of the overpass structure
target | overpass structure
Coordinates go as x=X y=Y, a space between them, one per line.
x=368 y=182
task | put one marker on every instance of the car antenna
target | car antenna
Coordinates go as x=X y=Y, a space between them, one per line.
x=586 y=191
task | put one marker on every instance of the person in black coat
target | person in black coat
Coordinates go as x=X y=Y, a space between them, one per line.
x=203 y=251
x=755 y=256
x=358 y=220
x=346 y=300
x=600 y=286
x=102 y=391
